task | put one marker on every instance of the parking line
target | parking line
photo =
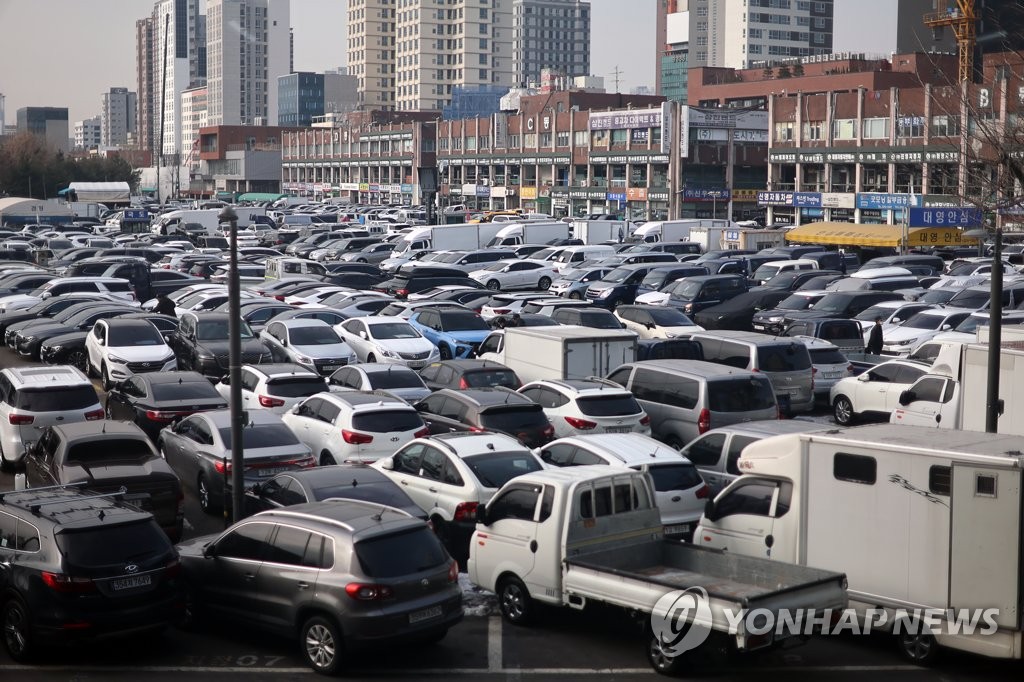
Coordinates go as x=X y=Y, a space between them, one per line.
x=494 y=654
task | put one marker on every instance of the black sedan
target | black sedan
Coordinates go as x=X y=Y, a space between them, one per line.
x=45 y=308
x=13 y=328
x=736 y=313
x=28 y=340
x=65 y=349
x=347 y=481
x=154 y=400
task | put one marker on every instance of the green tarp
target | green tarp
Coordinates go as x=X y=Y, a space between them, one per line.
x=260 y=196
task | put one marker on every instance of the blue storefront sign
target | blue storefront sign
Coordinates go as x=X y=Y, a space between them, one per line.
x=807 y=199
x=406 y=188
x=616 y=196
x=706 y=194
x=887 y=202
x=946 y=217
x=775 y=198
x=483 y=191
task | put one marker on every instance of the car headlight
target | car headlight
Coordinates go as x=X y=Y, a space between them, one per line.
x=604 y=294
x=390 y=354
x=776 y=318
x=205 y=357
x=303 y=360
x=54 y=349
x=905 y=342
x=114 y=358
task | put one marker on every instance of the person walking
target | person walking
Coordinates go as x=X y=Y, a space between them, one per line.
x=164 y=305
x=875 y=338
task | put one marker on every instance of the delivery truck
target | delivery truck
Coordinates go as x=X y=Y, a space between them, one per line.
x=674 y=230
x=595 y=535
x=530 y=232
x=565 y=352
x=927 y=529
x=446 y=237
x=601 y=231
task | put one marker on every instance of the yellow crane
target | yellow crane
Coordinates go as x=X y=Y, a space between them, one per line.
x=960 y=16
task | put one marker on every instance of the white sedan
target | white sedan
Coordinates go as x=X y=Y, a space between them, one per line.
x=516 y=274
x=387 y=339
x=921 y=327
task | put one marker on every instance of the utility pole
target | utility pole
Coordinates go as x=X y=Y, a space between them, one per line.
x=617 y=72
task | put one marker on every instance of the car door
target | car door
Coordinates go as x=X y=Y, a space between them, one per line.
x=94 y=344
x=428 y=488
x=706 y=453
x=303 y=421
x=250 y=380
x=227 y=581
x=512 y=527
x=871 y=393
x=405 y=471
x=926 y=400
x=288 y=576
x=743 y=517
x=325 y=432
x=904 y=379
x=181 y=449
x=274 y=336
x=358 y=342
x=40 y=462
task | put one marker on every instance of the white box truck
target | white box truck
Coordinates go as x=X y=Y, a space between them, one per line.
x=208 y=218
x=531 y=232
x=600 y=231
x=445 y=237
x=595 y=535
x=927 y=529
x=566 y=352
x=674 y=230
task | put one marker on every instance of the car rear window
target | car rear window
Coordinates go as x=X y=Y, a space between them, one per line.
x=783 y=358
x=495 y=469
x=740 y=394
x=261 y=436
x=109 y=449
x=513 y=418
x=299 y=387
x=674 y=477
x=399 y=554
x=485 y=378
x=608 y=405
x=386 y=421
x=56 y=399
x=186 y=390
x=113 y=545
x=827 y=356
x=395 y=379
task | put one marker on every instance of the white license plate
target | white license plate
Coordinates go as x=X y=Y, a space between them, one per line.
x=271 y=471
x=131 y=582
x=417 y=364
x=425 y=614
x=678 y=529
x=331 y=368
x=759 y=326
x=618 y=429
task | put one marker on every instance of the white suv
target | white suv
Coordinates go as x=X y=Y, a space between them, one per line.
x=679 y=489
x=117 y=349
x=32 y=398
x=354 y=426
x=275 y=387
x=588 y=407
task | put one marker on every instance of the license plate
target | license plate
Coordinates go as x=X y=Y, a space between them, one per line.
x=678 y=529
x=618 y=429
x=271 y=471
x=832 y=375
x=417 y=364
x=330 y=368
x=425 y=614
x=131 y=582
x=759 y=326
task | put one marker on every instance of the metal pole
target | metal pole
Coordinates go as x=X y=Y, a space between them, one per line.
x=993 y=405
x=228 y=215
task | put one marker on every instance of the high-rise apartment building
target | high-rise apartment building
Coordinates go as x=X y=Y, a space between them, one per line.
x=248 y=48
x=176 y=26
x=87 y=134
x=304 y=95
x=549 y=34
x=117 y=117
x=144 y=73
x=50 y=123
x=193 y=117
x=371 y=50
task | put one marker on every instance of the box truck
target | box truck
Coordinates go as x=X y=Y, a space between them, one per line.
x=566 y=352
x=446 y=237
x=601 y=231
x=674 y=230
x=928 y=530
x=532 y=232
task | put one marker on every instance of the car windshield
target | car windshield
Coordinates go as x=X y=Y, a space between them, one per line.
x=923 y=320
x=313 y=336
x=971 y=323
x=400 y=554
x=684 y=289
x=618 y=275
x=485 y=378
x=796 y=302
x=962 y=270
x=135 y=335
x=495 y=469
x=184 y=390
x=387 y=421
x=395 y=377
x=297 y=387
x=543 y=254
x=261 y=436
x=386 y=331
x=970 y=298
x=496 y=267
x=827 y=356
x=937 y=296
x=217 y=330
x=680 y=476
x=833 y=303
x=612 y=405
x=458 y=320
x=55 y=399
x=669 y=317
x=599 y=319
x=872 y=313
x=741 y=394
x=449 y=257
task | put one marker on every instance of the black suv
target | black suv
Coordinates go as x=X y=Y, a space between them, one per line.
x=80 y=566
x=201 y=344
x=840 y=304
x=422 y=278
x=487 y=409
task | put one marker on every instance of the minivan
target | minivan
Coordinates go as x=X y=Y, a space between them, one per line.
x=661 y=276
x=786 y=362
x=573 y=256
x=876 y=279
x=776 y=267
x=693 y=294
x=935 y=262
x=686 y=398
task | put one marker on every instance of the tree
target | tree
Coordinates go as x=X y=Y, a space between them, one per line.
x=30 y=168
x=798 y=69
x=768 y=73
x=784 y=71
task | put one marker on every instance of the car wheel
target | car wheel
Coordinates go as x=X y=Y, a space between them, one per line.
x=917 y=646
x=576 y=296
x=514 y=600
x=206 y=502
x=660 y=658
x=371 y=358
x=321 y=645
x=494 y=285
x=17 y=630
x=327 y=459
x=105 y=378
x=445 y=351
x=544 y=284
x=78 y=358
x=843 y=411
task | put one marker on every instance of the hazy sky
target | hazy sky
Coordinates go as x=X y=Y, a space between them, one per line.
x=68 y=52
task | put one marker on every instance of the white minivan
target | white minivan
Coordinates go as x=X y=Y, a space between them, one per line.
x=573 y=256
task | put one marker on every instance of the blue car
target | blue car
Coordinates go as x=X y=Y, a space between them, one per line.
x=456 y=333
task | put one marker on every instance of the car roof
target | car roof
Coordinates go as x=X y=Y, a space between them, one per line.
x=33 y=377
x=301 y=322
x=468 y=443
x=106 y=428
x=467 y=365
x=490 y=397
x=366 y=399
x=177 y=376
x=628 y=448
x=357 y=517
x=338 y=474
x=282 y=369
x=772 y=427
x=222 y=418
x=710 y=370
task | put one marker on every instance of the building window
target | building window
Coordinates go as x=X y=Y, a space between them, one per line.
x=844 y=129
x=910 y=126
x=876 y=128
x=814 y=130
x=945 y=126
x=784 y=132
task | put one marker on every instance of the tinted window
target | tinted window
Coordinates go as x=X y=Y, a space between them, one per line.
x=491 y=377
x=939 y=480
x=662 y=387
x=608 y=406
x=385 y=421
x=827 y=356
x=395 y=379
x=109 y=449
x=753 y=498
x=854 y=468
x=400 y=554
x=56 y=399
x=459 y=320
x=516 y=503
x=261 y=436
x=514 y=418
x=736 y=446
x=289 y=546
x=740 y=395
x=706 y=451
x=299 y=387
x=186 y=390
x=108 y=545
x=788 y=358
x=929 y=390
x=381 y=493
x=134 y=336
x=496 y=469
x=680 y=476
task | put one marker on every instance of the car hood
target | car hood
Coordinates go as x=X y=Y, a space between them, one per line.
x=332 y=350
x=406 y=345
x=193 y=548
x=903 y=333
x=653 y=298
x=470 y=336
x=220 y=347
x=141 y=353
x=46 y=328
x=18 y=301
x=410 y=395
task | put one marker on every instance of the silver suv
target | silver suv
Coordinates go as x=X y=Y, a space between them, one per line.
x=376 y=573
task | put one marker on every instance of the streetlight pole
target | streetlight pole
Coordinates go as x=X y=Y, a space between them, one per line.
x=228 y=215
x=993 y=405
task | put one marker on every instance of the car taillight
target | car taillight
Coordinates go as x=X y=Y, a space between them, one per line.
x=466 y=511
x=850 y=369
x=582 y=424
x=704 y=492
x=356 y=438
x=368 y=592
x=58 y=582
x=279 y=298
x=645 y=420
x=477 y=429
x=401 y=292
x=21 y=419
x=221 y=467
x=463 y=384
x=161 y=416
x=704 y=421
x=453 y=572
x=422 y=433
x=93 y=415
x=267 y=401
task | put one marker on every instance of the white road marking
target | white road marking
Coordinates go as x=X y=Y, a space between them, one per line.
x=494 y=654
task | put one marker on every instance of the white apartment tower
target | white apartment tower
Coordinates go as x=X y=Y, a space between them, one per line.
x=550 y=34
x=87 y=133
x=178 y=27
x=117 y=118
x=371 y=51
x=248 y=47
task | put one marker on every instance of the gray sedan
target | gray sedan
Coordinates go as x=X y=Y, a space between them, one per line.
x=198 y=448
x=374 y=254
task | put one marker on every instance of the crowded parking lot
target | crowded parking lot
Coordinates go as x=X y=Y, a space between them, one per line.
x=409 y=402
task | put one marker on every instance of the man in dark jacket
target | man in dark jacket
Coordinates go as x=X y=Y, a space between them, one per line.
x=164 y=305
x=875 y=338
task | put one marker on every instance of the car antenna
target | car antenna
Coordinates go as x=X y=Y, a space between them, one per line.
x=379 y=515
x=355 y=483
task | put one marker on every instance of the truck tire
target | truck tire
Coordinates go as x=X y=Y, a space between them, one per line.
x=514 y=599
x=660 y=660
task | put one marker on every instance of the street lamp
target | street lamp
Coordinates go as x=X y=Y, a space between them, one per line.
x=993 y=406
x=228 y=215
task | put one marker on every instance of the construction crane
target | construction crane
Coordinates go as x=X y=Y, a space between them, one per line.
x=960 y=16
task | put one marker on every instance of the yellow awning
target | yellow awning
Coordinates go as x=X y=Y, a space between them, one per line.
x=854 y=234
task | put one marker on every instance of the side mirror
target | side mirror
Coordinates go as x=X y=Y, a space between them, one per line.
x=210 y=551
x=709 y=510
x=481 y=514
x=946 y=327
x=226 y=380
x=623 y=325
x=362 y=334
x=256 y=489
x=907 y=397
x=388 y=464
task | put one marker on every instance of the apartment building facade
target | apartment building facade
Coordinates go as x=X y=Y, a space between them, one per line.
x=549 y=34
x=118 y=117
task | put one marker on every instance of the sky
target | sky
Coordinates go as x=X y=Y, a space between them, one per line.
x=66 y=53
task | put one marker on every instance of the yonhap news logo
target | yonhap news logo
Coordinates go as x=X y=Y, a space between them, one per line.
x=681 y=620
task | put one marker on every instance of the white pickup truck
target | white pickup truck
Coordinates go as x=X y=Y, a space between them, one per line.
x=568 y=536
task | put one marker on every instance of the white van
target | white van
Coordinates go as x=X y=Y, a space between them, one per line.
x=777 y=267
x=285 y=267
x=574 y=256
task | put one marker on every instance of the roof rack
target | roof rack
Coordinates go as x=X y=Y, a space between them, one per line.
x=36 y=506
x=61 y=486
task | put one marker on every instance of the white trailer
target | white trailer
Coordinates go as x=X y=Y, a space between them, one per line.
x=925 y=528
x=208 y=218
x=530 y=232
x=674 y=230
x=566 y=352
x=600 y=231
x=445 y=237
